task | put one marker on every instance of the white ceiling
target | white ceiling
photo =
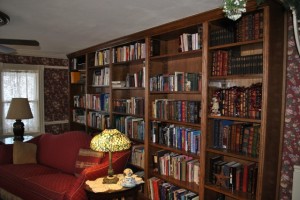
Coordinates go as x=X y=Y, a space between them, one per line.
x=65 y=26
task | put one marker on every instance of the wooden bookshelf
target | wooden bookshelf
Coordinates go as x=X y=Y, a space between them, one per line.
x=166 y=55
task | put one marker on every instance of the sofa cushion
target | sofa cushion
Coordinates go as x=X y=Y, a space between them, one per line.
x=87 y=158
x=60 y=151
x=13 y=178
x=19 y=173
x=52 y=186
x=24 y=153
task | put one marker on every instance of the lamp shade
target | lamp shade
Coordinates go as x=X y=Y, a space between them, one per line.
x=19 y=109
x=110 y=140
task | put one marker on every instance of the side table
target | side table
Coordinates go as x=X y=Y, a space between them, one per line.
x=127 y=193
x=10 y=139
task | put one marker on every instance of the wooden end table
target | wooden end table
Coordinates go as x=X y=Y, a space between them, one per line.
x=127 y=193
x=10 y=139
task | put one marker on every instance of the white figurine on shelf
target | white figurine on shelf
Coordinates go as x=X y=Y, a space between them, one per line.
x=128 y=180
x=215 y=107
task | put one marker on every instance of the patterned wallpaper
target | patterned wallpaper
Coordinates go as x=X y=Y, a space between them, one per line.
x=56 y=99
x=291 y=140
x=55 y=88
x=5 y=58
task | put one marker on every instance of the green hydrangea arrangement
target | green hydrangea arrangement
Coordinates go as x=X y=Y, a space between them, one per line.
x=234 y=9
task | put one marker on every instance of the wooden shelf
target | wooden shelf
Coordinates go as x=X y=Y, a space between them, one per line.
x=232 y=154
x=172 y=149
x=98 y=67
x=236 y=119
x=241 y=76
x=179 y=92
x=178 y=55
x=99 y=86
x=183 y=184
x=176 y=122
x=225 y=46
x=139 y=61
x=128 y=88
x=127 y=114
x=230 y=193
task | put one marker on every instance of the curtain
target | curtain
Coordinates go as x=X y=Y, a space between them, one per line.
x=22 y=84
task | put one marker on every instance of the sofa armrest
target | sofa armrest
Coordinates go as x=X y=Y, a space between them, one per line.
x=119 y=160
x=6 y=154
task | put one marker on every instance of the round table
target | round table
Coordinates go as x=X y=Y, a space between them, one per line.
x=127 y=193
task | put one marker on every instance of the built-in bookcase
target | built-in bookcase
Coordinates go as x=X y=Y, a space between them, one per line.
x=77 y=71
x=240 y=105
x=175 y=84
x=128 y=96
x=199 y=97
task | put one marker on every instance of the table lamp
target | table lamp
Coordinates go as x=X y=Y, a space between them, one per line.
x=19 y=109
x=110 y=140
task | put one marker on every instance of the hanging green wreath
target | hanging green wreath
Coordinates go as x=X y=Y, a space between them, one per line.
x=234 y=9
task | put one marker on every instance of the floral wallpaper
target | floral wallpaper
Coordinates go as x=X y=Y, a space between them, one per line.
x=55 y=89
x=56 y=99
x=291 y=140
x=5 y=58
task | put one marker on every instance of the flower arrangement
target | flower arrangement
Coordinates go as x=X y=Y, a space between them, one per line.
x=233 y=9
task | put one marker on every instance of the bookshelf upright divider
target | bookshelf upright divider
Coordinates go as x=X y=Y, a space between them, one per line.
x=162 y=86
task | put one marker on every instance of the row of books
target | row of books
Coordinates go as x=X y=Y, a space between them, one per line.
x=179 y=81
x=79 y=116
x=78 y=63
x=222 y=35
x=176 y=110
x=240 y=176
x=134 y=105
x=249 y=27
x=129 y=52
x=237 y=137
x=136 y=79
x=161 y=190
x=240 y=101
x=190 y=41
x=102 y=57
x=99 y=102
x=224 y=63
x=98 y=120
x=178 y=137
x=177 y=166
x=137 y=155
x=133 y=127
x=79 y=101
x=101 y=77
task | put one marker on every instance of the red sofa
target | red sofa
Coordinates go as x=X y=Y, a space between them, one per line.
x=52 y=177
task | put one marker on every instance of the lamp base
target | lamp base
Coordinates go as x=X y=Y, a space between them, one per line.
x=110 y=180
x=18 y=128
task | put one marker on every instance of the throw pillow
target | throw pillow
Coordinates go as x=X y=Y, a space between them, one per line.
x=24 y=153
x=87 y=158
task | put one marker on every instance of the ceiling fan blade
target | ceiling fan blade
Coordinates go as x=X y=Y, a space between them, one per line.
x=19 y=42
x=6 y=50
